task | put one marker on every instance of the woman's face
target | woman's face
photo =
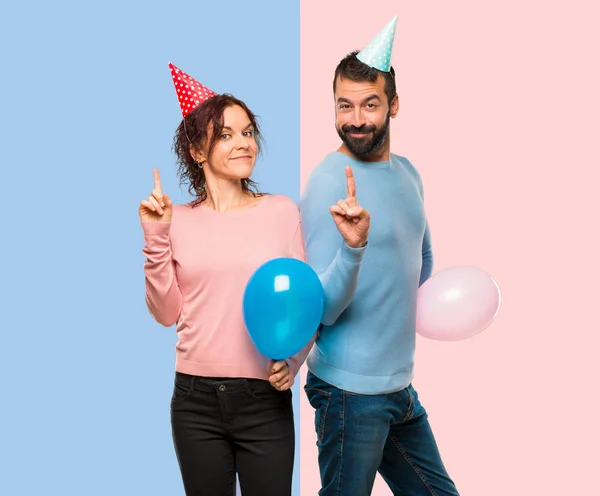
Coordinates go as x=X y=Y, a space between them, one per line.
x=234 y=154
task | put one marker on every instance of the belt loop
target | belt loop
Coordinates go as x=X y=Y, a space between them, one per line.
x=192 y=383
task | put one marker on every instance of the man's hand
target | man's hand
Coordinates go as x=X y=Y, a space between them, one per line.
x=351 y=219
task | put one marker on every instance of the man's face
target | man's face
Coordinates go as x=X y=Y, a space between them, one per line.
x=362 y=114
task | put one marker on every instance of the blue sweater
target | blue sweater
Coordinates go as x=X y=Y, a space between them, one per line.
x=366 y=342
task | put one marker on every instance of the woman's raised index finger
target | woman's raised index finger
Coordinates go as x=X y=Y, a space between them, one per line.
x=157 y=185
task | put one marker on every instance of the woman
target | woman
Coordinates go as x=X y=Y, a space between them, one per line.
x=231 y=409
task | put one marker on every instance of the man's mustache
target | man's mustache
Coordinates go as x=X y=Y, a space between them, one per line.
x=359 y=130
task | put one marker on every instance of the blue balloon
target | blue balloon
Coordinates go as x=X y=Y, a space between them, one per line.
x=283 y=307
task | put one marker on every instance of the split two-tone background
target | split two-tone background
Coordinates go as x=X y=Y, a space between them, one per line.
x=499 y=110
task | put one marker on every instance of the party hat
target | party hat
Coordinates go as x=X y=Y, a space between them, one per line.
x=378 y=53
x=190 y=92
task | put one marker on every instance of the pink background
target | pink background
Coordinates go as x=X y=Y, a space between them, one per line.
x=499 y=110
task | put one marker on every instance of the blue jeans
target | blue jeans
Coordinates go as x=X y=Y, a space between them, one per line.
x=359 y=435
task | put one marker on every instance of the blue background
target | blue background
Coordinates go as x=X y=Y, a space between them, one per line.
x=88 y=109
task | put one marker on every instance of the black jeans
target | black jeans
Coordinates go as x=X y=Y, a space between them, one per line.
x=222 y=426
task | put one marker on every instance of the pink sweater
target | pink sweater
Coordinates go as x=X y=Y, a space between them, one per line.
x=197 y=268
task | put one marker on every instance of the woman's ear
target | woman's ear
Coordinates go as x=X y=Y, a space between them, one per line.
x=197 y=155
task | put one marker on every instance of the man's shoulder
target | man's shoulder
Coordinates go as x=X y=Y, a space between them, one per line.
x=405 y=164
x=402 y=161
x=330 y=171
x=407 y=167
x=329 y=163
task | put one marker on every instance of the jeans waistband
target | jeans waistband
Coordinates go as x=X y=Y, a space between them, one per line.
x=222 y=384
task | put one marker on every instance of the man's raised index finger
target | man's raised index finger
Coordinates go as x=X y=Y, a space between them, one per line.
x=350 y=181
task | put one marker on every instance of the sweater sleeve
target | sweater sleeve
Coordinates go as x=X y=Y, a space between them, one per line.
x=163 y=296
x=427 y=256
x=297 y=251
x=333 y=260
x=426 y=249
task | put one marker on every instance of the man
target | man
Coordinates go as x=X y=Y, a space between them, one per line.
x=368 y=417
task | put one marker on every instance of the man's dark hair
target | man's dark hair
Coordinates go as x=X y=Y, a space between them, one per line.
x=353 y=69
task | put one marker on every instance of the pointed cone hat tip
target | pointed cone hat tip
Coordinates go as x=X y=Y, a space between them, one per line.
x=378 y=53
x=190 y=92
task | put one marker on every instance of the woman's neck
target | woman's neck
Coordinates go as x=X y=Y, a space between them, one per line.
x=224 y=195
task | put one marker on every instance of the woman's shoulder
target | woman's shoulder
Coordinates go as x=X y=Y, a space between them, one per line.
x=280 y=201
x=182 y=208
x=184 y=213
x=281 y=208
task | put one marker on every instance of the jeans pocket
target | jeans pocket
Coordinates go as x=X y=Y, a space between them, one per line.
x=319 y=400
x=180 y=392
x=262 y=391
x=410 y=409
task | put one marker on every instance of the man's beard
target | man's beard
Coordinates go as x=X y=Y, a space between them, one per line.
x=364 y=146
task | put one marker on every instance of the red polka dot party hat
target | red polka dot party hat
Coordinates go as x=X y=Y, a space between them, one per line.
x=190 y=92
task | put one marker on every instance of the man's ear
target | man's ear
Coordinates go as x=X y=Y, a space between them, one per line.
x=394 y=107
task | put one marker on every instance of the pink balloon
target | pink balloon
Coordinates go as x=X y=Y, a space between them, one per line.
x=457 y=303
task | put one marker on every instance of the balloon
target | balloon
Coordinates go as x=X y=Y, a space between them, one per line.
x=283 y=307
x=457 y=303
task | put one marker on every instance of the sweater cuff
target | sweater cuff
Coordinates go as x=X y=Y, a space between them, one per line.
x=354 y=255
x=153 y=228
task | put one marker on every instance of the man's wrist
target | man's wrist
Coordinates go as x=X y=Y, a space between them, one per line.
x=360 y=244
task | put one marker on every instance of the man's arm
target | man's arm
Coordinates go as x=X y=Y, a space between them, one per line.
x=336 y=263
x=427 y=254
x=426 y=250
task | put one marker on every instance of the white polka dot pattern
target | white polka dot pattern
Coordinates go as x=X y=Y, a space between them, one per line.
x=378 y=53
x=190 y=92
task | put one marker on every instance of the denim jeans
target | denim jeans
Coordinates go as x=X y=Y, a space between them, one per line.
x=359 y=435
x=222 y=426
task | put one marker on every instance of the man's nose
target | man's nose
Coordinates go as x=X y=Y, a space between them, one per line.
x=358 y=118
